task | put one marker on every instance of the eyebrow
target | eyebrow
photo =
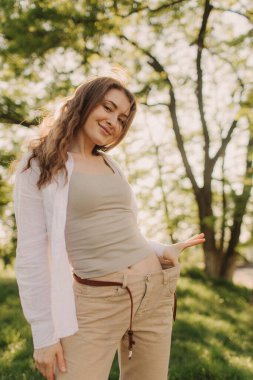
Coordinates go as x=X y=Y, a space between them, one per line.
x=115 y=105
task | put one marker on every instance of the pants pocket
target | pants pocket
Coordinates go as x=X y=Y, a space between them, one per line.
x=172 y=285
x=96 y=293
x=172 y=275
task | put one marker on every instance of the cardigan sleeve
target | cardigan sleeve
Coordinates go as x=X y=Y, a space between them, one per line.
x=157 y=246
x=32 y=264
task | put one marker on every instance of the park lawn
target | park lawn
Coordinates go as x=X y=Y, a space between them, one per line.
x=212 y=336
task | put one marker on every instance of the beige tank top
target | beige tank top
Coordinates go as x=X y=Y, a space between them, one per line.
x=101 y=232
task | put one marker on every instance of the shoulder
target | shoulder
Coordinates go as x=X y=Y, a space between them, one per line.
x=22 y=163
x=109 y=157
x=113 y=162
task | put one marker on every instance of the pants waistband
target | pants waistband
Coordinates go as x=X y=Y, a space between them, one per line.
x=164 y=276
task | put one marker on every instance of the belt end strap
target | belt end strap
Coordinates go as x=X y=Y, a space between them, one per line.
x=175 y=307
x=131 y=343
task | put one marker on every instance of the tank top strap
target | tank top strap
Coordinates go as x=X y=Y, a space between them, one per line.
x=111 y=164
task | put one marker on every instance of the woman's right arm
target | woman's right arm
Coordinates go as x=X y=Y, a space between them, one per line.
x=32 y=261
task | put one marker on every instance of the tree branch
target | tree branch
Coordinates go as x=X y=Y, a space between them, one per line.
x=154 y=105
x=153 y=62
x=8 y=119
x=224 y=144
x=240 y=207
x=233 y=11
x=224 y=208
x=158 y=9
x=199 y=90
x=161 y=185
x=228 y=61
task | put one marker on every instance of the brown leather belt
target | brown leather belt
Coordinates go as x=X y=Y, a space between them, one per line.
x=113 y=283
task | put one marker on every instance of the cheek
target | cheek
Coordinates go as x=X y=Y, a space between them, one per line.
x=100 y=113
x=118 y=135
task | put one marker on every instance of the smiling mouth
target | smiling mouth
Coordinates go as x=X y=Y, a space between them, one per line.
x=105 y=130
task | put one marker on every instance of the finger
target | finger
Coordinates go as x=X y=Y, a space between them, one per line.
x=195 y=242
x=41 y=369
x=60 y=360
x=197 y=236
x=49 y=372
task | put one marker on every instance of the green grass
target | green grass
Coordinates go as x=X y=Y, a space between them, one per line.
x=212 y=336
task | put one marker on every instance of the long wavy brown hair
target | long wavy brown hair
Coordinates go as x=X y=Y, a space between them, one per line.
x=50 y=149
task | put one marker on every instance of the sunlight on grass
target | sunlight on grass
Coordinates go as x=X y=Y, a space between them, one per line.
x=212 y=337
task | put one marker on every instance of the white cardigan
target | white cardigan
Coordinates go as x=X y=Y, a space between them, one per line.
x=44 y=274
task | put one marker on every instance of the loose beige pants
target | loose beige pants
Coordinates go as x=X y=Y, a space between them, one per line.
x=103 y=315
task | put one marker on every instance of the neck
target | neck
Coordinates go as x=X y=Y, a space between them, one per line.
x=82 y=149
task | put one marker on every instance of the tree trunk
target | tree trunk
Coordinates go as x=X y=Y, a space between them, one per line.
x=219 y=265
x=212 y=263
x=227 y=270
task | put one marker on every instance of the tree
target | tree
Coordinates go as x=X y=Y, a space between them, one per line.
x=188 y=57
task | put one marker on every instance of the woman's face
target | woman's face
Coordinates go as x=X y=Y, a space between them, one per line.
x=106 y=121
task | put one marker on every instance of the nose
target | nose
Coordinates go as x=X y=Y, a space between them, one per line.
x=112 y=122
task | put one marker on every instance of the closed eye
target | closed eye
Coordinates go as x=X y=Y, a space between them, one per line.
x=109 y=109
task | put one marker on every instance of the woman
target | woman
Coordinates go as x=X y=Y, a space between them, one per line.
x=89 y=282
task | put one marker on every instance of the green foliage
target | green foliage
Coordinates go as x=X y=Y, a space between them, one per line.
x=34 y=30
x=49 y=46
x=212 y=335
x=12 y=110
x=7 y=249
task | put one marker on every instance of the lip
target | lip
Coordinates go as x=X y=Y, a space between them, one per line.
x=105 y=129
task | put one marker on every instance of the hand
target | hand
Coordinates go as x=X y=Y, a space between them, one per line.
x=171 y=252
x=45 y=360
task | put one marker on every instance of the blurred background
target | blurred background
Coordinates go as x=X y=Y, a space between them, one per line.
x=188 y=154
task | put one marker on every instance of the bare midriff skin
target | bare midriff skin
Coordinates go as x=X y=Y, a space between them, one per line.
x=150 y=264
x=97 y=165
